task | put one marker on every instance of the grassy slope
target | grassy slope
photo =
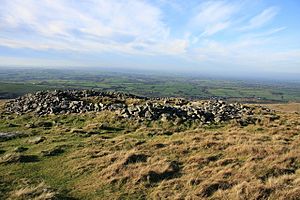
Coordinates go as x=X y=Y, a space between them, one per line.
x=227 y=162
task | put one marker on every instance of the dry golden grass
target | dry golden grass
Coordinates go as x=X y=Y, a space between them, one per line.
x=131 y=160
x=39 y=192
x=2 y=102
x=253 y=162
x=289 y=107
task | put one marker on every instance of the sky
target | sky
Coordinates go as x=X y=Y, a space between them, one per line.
x=234 y=36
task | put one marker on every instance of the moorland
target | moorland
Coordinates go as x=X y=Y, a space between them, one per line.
x=178 y=151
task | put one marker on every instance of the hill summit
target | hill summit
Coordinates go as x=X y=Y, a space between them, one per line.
x=84 y=144
x=131 y=106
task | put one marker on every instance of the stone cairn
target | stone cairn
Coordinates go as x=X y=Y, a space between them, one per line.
x=165 y=109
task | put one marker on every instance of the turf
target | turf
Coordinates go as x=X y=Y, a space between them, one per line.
x=99 y=156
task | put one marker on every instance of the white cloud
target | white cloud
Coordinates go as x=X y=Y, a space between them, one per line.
x=115 y=25
x=266 y=33
x=213 y=17
x=250 y=50
x=139 y=27
x=36 y=62
x=261 y=19
x=210 y=30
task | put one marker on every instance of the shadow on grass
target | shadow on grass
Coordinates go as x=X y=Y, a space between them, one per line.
x=28 y=158
x=18 y=158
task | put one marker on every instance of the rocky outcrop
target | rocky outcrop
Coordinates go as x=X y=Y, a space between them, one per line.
x=208 y=111
x=164 y=109
x=61 y=102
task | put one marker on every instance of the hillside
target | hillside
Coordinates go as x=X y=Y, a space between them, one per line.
x=109 y=145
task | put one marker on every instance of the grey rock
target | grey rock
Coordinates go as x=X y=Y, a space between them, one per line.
x=37 y=140
x=7 y=136
x=77 y=101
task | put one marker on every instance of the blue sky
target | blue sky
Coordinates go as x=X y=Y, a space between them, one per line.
x=194 y=35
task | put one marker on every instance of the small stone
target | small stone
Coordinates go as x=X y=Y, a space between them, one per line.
x=53 y=152
x=37 y=140
x=30 y=126
x=20 y=149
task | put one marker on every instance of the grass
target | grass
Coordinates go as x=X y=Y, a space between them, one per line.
x=11 y=90
x=103 y=157
x=290 y=108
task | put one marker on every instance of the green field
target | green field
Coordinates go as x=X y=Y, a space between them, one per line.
x=16 y=82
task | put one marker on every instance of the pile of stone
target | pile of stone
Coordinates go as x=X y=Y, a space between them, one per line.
x=206 y=112
x=177 y=110
x=63 y=102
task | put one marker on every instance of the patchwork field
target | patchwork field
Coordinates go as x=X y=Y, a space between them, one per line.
x=16 y=82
